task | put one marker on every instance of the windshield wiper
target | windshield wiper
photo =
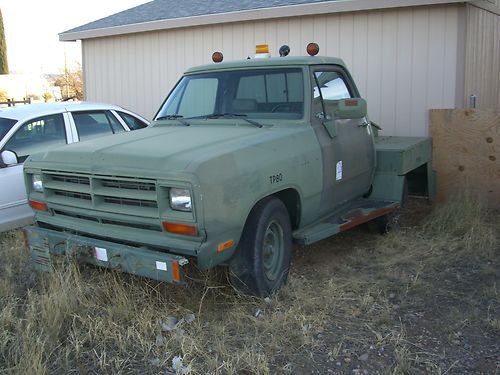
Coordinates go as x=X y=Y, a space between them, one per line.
x=232 y=115
x=174 y=117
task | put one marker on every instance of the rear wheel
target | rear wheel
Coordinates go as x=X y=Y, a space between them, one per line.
x=262 y=260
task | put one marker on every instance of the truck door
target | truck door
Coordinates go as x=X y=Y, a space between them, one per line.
x=347 y=146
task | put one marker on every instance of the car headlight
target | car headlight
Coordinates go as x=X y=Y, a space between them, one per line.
x=180 y=200
x=36 y=183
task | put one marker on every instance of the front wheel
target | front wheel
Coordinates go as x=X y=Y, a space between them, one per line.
x=262 y=260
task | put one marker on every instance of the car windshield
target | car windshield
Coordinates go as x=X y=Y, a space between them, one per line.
x=258 y=93
x=5 y=125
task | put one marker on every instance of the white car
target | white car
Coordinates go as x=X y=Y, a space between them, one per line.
x=28 y=129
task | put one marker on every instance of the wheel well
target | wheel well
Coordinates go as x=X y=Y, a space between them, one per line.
x=291 y=199
x=417 y=180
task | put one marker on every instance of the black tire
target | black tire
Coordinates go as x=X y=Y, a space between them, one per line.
x=261 y=263
x=384 y=224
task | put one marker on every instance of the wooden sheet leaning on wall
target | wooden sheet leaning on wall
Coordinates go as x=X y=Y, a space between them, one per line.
x=466 y=152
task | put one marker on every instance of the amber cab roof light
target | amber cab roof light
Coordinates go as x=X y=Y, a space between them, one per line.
x=262 y=51
x=312 y=49
x=217 y=57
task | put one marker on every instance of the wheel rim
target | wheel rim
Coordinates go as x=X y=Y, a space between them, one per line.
x=273 y=250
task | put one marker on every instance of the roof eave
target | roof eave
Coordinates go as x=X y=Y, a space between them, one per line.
x=248 y=15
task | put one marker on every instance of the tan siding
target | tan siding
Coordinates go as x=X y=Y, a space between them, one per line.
x=403 y=60
x=482 y=62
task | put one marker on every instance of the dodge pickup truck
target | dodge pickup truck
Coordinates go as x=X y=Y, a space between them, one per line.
x=243 y=159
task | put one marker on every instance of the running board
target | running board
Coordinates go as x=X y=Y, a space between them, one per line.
x=358 y=212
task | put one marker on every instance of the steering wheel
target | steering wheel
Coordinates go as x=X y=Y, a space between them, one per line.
x=287 y=107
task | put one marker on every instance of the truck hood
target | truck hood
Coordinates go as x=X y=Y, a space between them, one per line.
x=153 y=150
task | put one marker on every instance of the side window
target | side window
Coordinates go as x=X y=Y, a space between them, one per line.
x=329 y=88
x=92 y=124
x=37 y=135
x=132 y=122
x=332 y=86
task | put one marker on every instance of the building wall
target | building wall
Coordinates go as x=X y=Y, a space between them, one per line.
x=403 y=60
x=482 y=63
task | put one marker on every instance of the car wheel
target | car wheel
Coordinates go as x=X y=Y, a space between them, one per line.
x=262 y=260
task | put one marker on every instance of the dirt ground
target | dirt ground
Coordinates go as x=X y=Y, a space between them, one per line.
x=434 y=316
x=421 y=299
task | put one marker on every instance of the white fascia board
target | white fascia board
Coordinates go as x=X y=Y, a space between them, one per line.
x=250 y=15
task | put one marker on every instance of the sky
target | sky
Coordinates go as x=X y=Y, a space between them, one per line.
x=32 y=28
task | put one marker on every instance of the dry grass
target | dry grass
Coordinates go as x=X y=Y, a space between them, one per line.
x=391 y=304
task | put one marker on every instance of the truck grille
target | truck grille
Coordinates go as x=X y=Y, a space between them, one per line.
x=120 y=195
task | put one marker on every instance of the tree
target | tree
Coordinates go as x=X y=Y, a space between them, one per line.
x=4 y=66
x=71 y=83
x=3 y=95
x=47 y=96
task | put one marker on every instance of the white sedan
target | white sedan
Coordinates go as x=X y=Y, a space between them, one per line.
x=28 y=129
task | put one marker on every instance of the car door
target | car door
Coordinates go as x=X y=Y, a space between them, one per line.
x=35 y=135
x=346 y=144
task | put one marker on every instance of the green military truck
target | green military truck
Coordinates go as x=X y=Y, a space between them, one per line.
x=243 y=159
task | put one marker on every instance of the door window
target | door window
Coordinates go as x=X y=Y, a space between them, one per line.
x=92 y=124
x=332 y=86
x=329 y=88
x=37 y=135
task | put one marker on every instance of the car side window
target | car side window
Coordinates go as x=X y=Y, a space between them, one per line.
x=332 y=86
x=132 y=122
x=329 y=87
x=40 y=134
x=92 y=124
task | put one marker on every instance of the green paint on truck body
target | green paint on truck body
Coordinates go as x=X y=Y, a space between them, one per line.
x=115 y=192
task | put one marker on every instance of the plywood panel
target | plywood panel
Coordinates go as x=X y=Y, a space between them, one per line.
x=404 y=60
x=466 y=152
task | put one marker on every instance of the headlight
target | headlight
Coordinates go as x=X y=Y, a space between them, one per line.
x=36 y=183
x=180 y=199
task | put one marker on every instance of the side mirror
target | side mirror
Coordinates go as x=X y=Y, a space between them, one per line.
x=351 y=108
x=9 y=158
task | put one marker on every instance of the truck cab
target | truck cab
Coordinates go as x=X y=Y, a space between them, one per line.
x=243 y=159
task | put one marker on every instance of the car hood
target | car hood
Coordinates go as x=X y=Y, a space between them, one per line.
x=153 y=150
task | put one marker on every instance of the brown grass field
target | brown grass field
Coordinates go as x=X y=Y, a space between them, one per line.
x=422 y=299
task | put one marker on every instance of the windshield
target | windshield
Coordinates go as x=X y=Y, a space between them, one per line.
x=258 y=93
x=5 y=125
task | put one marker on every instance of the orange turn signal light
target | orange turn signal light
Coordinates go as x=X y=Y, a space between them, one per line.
x=40 y=206
x=176 y=271
x=177 y=228
x=225 y=245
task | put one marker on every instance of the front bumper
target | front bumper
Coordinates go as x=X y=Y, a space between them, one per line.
x=44 y=244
